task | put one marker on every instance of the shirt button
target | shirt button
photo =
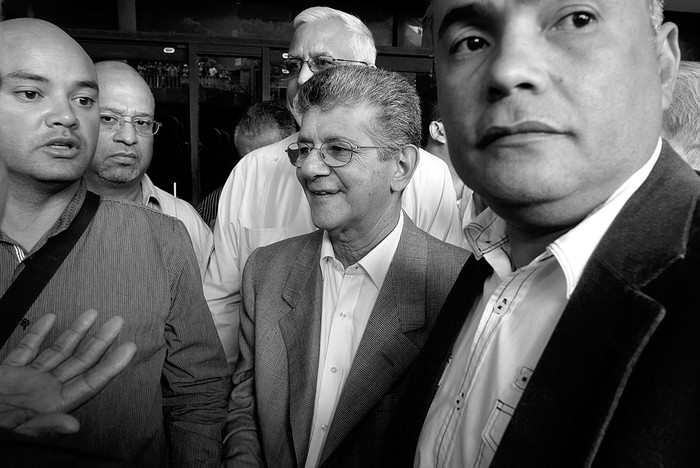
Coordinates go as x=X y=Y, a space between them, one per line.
x=324 y=427
x=334 y=370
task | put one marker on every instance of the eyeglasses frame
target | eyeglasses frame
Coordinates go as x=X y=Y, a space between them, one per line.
x=353 y=149
x=309 y=61
x=123 y=119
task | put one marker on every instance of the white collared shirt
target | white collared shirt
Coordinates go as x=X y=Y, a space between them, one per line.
x=506 y=332
x=200 y=234
x=349 y=295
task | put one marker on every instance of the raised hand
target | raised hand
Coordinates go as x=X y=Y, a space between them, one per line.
x=37 y=392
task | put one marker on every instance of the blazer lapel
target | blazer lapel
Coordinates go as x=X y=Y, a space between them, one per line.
x=301 y=331
x=385 y=352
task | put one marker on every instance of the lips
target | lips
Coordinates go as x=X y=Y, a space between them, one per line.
x=323 y=192
x=63 y=146
x=497 y=132
x=64 y=142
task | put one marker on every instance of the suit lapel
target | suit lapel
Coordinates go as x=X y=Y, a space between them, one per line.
x=301 y=331
x=574 y=391
x=385 y=352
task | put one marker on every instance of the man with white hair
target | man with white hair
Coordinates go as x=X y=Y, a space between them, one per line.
x=262 y=202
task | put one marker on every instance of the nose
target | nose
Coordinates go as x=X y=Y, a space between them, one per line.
x=313 y=166
x=126 y=134
x=63 y=114
x=519 y=63
x=305 y=73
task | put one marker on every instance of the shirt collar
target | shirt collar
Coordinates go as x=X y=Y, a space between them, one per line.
x=486 y=235
x=377 y=261
x=149 y=194
x=574 y=248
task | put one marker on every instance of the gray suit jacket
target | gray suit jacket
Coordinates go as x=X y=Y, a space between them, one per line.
x=272 y=403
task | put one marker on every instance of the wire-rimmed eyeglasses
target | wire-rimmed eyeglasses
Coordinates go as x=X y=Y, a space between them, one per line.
x=292 y=65
x=142 y=125
x=334 y=153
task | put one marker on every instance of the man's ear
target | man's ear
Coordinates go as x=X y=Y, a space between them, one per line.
x=437 y=131
x=405 y=166
x=669 y=56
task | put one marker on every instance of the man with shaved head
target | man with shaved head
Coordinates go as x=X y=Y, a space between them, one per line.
x=168 y=405
x=125 y=148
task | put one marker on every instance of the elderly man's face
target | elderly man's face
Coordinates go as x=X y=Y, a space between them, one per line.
x=48 y=97
x=122 y=155
x=549 y=105
x=322 y=37
x=350 y=202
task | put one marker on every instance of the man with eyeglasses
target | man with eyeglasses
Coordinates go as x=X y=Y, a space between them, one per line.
x=332 y=320
x=262 y=201
x=167 y=406
x=125 y=148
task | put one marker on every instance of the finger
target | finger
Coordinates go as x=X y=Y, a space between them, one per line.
x=11 y=417
x=85 y=386
x=64 y=346
x=49 y=425
x=27 y=349
x=91 y=352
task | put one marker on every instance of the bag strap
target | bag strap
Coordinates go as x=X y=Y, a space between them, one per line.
x=40 y=267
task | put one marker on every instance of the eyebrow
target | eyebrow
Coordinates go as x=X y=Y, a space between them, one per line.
x=26 y=76
x=121 y=110
x=472 y=13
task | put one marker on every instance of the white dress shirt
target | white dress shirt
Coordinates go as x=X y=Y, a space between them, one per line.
x=263 y=202
x=349 y=295
x=200 y=234
x=508 y=328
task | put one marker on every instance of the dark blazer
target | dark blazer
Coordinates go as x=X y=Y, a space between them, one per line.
x=618 y=384
x=272 y=402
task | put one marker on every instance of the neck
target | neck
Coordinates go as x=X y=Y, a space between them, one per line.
x=130 y=191
x=349 y=251
x=30 y=213
x=527 y=244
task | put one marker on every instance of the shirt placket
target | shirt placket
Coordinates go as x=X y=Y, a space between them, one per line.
x=500 y=304
x=339 y=351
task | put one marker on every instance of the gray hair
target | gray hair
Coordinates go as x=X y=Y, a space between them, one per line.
x=361 y=42
x=395 y=122
x=263 y=116
x=681 y=124
x=656 y=11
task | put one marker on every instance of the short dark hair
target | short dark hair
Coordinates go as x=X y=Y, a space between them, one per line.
x=396 y=122
x=263 y=116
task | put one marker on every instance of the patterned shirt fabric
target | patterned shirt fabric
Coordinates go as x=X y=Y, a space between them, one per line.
x=169 y=404
x=209 y=207
x=506 y=332
x=263 y=202
x=200 y=234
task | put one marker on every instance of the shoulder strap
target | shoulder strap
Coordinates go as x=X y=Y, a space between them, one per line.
x=40 y=267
